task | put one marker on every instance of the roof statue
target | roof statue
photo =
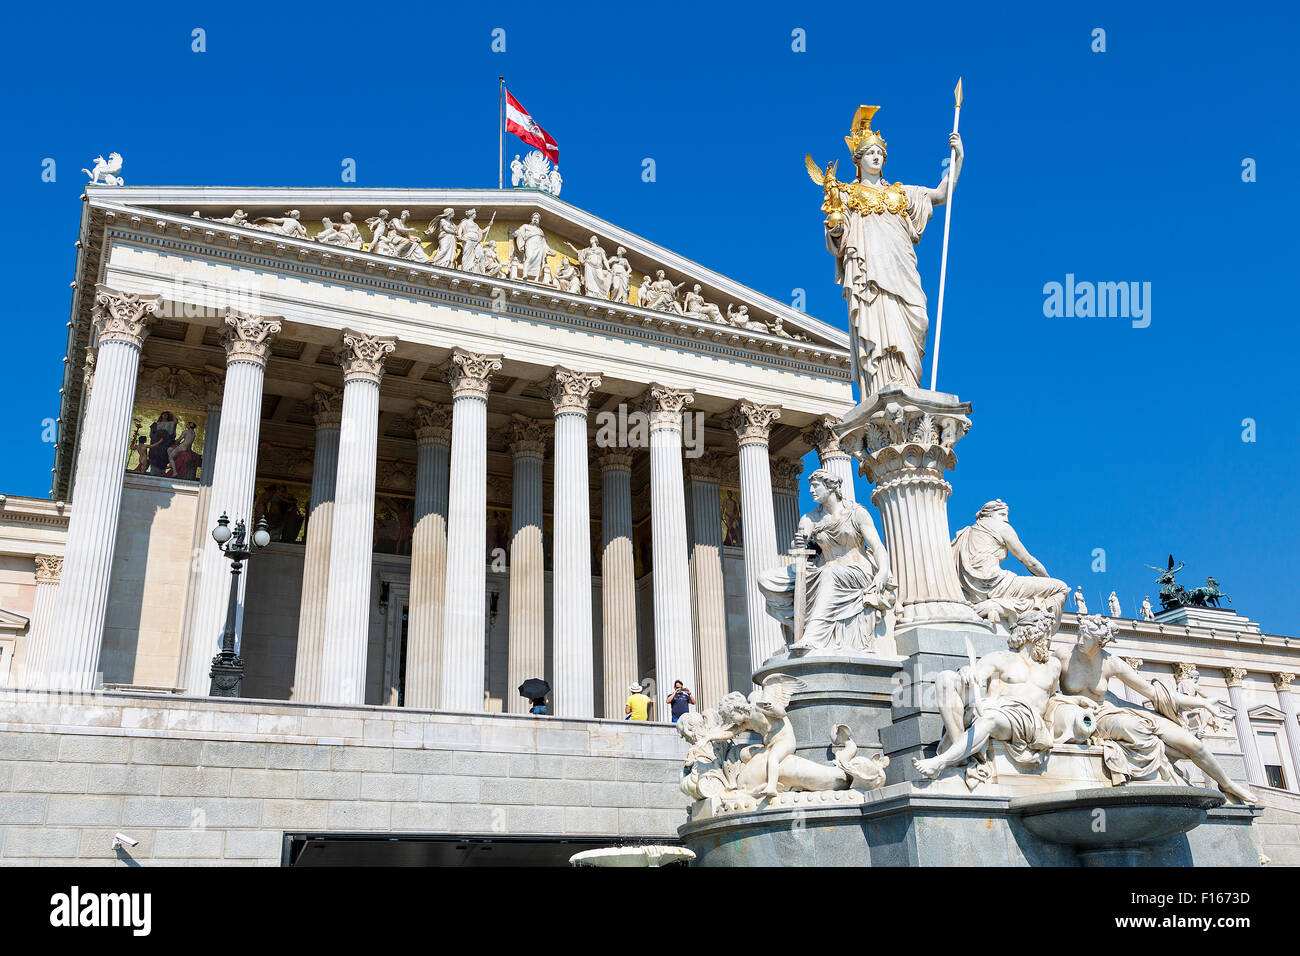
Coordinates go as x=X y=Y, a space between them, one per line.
x=1173 y=594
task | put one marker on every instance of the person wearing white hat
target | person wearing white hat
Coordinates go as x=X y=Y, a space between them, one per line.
x=638 y=704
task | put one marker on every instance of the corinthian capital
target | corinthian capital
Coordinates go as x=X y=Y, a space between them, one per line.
x=432 y=422
x=785 y=475
x=570 y=391
x=1183 y=670
x=614 y=459
x=1234 y=675
x=470 y=373
x=751 y=422
x=821 y=436
x=527 y=437
x=326 y=405
x=1281 y=681
x=708 y=467
x=48 y=567
x=664 y=405
x=362 y=356
x=123 y=316
x=247 y=338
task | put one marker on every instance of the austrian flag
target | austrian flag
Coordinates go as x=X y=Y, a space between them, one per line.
x=519 y=122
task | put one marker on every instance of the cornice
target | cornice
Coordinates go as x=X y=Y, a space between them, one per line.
x=182 y=200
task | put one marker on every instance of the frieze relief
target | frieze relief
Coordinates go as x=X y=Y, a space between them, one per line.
x=527 y=251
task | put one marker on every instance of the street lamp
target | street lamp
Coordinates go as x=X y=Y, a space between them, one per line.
x=227 y=669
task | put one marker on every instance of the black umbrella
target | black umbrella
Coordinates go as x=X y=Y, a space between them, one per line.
x=533 y=688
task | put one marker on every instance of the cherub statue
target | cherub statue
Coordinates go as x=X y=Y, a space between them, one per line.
x=725 y=757
x=764 y=713
x=106 y=171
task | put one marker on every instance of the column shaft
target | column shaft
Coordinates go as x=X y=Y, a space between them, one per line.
x=708 y=591
x=316 y=554
x=526 y=656
x=571 y=633
x=201 y=539
x=36 y=657
x=234 y=472
x=752 y=423
x=464 y=611
x=617 y=582
x=428 y=558
x=1288 y=702
x=352 y=537
x=674 y=645
x=81 y=603
x=1245 y=733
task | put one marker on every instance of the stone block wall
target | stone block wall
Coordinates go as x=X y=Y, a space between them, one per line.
x=205 y=782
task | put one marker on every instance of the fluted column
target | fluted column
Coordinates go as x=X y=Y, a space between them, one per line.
x=247 y=340
x=201 y=537
x=1241 y=721
x=464 y=614
x=1282 y=684
x=49 y=567
x=575 y=677
x=428 y=554
x=708 y=592
x=906 y=440
x=327 y=410
x=526 y=655
x=785 y=500
x=617 y=581
x=352 y=537
x=752 y=423
x=831 y=456
x=674 y=644
x=121 y=321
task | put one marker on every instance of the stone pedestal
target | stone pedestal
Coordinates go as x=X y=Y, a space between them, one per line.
x=925 y=651
x=855 y=690
x=904 y=439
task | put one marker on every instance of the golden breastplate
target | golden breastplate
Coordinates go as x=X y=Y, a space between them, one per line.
x=871 y=199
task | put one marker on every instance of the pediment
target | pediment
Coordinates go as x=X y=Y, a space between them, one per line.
x=12 y=621
x=1267 y=712
x=225 y=212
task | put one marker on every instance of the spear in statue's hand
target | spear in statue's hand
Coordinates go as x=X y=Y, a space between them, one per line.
x=947 y=223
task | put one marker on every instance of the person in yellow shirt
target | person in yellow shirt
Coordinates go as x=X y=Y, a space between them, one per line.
x=638 y=704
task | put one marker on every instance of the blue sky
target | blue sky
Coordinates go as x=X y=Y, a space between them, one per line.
x=1117 y=166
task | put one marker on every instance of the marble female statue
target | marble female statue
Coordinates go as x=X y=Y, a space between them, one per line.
x=999 y=594
x=661 y=294
x=528 y=250
x=471 y=238
x=849 y=592
x=444 y=227
x=693 y=303
x=1080 y=605
x=872 y=228
x=1138 y=744
x=516 y=171
x=596 y=275
x=1112 y=604
x=1147 y=613
x=620 y=276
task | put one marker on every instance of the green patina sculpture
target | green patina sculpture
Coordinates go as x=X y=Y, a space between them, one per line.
x=1173 y=594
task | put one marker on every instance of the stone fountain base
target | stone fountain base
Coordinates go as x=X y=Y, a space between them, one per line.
x=906 y=825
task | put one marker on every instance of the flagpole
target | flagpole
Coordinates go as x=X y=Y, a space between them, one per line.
x=501 y=132
x=947 y=223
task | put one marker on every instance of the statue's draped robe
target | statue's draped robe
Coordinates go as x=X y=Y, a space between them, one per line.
x=530 y=242
x=875 y=262
x=979 y=552
x=843 y=611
